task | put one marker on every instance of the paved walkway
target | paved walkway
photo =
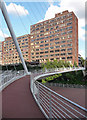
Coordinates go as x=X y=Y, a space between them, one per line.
x=76 y=95
x=18 y=102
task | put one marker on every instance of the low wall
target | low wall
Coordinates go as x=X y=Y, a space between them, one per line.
x=65 y=85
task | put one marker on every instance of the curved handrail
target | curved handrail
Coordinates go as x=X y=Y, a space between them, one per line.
x=8 y=77
x=40 y=92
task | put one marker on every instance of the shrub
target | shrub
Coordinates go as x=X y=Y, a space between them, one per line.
x=43 y=81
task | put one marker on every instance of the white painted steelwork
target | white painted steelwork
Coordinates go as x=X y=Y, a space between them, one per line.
x=6 y=17
x=52 y=104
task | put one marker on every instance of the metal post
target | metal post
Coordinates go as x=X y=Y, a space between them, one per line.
x=38 y=93
x=6 y=17
x=50 y=107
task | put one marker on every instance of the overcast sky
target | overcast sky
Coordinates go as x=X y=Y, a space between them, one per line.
x=24 y=14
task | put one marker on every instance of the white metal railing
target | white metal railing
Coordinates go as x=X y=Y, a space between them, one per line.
x=52 y=104
x=8 y=77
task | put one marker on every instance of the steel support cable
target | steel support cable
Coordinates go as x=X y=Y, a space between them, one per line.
x=20 y=18
x=41 y=6
x=35 y=14
x=7 y=20
x=35 y=17
x=38 y=11
x=29 y=18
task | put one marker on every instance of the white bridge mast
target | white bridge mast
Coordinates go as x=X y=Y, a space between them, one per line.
x=6 y=17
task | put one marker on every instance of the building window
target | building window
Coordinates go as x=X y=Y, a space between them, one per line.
x=37 y=53
x=51 y=39
x=69 y=44
x=41 y=48
x=63 y=58
x=69 y=53
x=32 y=40
x=57 y=42
x=51 y=47
x=56 y=54
x=46 y=37
x=56 y=38
x=63 y=54
x=51 y=28
x=37 y=49
x=46 y=48
x=69 y=36
x=41 y=45
x=51 y=43
x=47 y=29
x=42 y=41
x=57 y=27
x=46 y=40
x=41 y=27
x=69 y=40
x=46 y=44
x=52 y=59
x=51 y=51
x=37 y=42
x=69 y=32
x=57 y=46
x=37 y=56
x=63 y=41
x=52 y=55
x=69 y=23
x=57 y=50
x=46 y=51
x=41 y=52
x=41 y=31
x=37 y=28
x=32 y=53
x=63 y=49
x=63 y=45
x=69 y=57
x=41 y=56
x=46 y=55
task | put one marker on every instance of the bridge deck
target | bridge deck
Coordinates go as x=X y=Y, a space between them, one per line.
x=18 y=102
x=76 y=95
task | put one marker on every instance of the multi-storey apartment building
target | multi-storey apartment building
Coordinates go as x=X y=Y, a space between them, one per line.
x=10 y=54
x=0 y=53
x=56 y=38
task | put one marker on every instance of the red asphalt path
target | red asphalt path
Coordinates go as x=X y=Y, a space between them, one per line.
x=76 y=95
x=18 y=102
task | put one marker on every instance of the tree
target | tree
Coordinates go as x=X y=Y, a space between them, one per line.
x=55 y=63
x=82 y=61
x=75 y=64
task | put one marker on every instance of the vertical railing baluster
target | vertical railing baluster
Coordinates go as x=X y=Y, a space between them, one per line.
x=38 y=93
x=50 y=106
